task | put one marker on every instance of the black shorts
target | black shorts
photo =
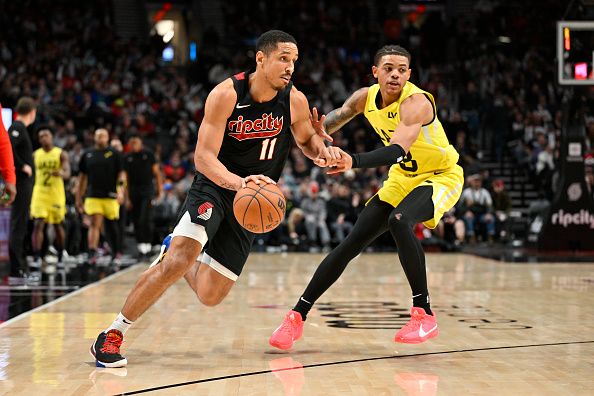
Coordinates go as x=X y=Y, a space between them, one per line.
x=212 y=207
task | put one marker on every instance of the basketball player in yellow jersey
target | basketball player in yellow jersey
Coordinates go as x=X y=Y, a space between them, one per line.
x=423 y=183
x=48 y=204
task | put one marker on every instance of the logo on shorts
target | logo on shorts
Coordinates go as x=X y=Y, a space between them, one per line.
x=205 y=211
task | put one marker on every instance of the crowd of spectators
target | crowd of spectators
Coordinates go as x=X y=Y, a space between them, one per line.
x=490 y=68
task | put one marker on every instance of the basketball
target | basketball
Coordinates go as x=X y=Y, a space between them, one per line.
x=259 y=208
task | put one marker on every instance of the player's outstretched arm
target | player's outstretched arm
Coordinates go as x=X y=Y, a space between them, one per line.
x=337 y=118
x=306 y=137
x=415 y=111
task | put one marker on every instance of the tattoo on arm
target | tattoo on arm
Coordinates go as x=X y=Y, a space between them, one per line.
x=337 y=118
x=227 y=185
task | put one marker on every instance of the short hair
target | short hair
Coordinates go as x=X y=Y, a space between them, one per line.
x=44 y=127
x=390 y=50
x=25 y=105
x=269 y=40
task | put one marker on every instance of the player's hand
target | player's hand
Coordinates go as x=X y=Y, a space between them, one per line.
x=10 y=192
x=79 y=206
x=57 y=173
x=343 y=165
x=330 y=156
x=120 y=197
x=27 y=170
x=129 y=205
x=258 y=179
x=318 y=125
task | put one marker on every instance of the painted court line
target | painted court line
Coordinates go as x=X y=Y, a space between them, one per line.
x=253 y=373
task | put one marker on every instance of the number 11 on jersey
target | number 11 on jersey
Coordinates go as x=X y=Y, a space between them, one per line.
x=267 y=149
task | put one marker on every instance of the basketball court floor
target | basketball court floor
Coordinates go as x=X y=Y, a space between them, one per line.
x=505 y=329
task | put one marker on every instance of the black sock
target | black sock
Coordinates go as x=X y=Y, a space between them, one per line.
x=372 y=222
x=60 y=255
x=36 y=255
x=303 y=306
x=92 y=253
x=421 y=300
x=415 y=208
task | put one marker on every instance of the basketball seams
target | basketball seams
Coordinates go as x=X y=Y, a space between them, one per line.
x=272 y=203
x=256 y=192
x=247 y=206
x=281 y=215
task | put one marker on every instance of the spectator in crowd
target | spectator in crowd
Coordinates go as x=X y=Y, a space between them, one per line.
x=315 y=211
x=297 y=230
x=175 y=169
x=22 y=149
x=340 y=211
x=502 y=205
x=451 y=229
x=165 y=211
x=477 y=206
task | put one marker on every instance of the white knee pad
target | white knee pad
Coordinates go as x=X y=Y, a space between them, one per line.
x=186 y=228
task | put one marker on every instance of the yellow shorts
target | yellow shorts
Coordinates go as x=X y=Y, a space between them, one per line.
x=106 y=207
x=447 y=188
x=50 y=212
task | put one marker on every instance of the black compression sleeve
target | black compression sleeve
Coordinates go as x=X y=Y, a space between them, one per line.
x=388 y=155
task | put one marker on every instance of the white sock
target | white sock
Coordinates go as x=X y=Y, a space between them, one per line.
x=121 y=323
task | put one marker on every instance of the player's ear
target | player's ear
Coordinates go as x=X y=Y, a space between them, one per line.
x=374 y=70
x=259 y=57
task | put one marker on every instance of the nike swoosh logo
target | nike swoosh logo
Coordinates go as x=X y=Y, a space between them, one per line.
x=438 y=173
x=241 y=106
x=423 y=333
x=125 y=321
x=369 y=110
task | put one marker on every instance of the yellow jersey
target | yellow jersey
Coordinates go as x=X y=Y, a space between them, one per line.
x=431 y=152
x=48 y=188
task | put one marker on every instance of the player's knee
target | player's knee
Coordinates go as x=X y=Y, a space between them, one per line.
x=399 y=221
x=175 y=264
x=210 y=297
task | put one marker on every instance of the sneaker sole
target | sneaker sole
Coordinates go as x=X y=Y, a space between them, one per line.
x=119 y=363
x=402 y=341
x=284 y=347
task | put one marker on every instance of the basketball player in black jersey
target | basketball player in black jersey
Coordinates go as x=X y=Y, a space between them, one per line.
x=249 y=123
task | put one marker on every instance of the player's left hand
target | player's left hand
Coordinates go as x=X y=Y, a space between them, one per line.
x=330 y=156
x=318 y=125
x=343 y=165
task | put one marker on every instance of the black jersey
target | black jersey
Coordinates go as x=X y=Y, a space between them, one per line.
x=139 y=167
x=102 y=168
x=257 y=135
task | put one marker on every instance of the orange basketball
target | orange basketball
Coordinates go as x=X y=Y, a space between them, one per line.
x=259 y=208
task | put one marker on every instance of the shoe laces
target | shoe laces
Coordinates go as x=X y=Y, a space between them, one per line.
x=414 y=322
x=288 y=325
x=112 y=343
